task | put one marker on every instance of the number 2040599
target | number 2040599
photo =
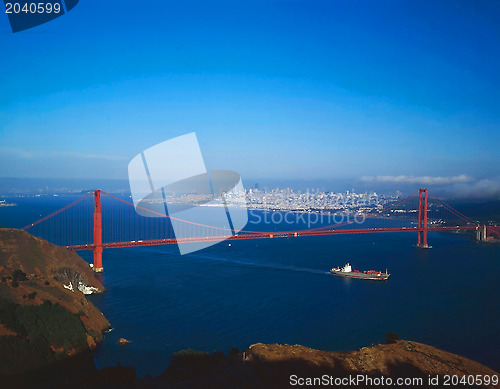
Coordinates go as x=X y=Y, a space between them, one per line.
x=32 y=8
x=472 y=380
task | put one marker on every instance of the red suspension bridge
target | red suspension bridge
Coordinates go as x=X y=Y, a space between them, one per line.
x=100 y=220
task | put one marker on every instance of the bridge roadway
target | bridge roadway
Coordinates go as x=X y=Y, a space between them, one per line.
x=265 y=235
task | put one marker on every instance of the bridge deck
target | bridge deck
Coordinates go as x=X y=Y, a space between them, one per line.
x=266 y=235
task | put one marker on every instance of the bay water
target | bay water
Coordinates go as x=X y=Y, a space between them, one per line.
x=279 y=290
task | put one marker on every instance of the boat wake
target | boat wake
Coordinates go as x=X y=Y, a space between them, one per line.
x=273 y=266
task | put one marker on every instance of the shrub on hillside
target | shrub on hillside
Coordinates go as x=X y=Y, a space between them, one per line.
x=19 y=275
x=44 y=325
x=391 y=337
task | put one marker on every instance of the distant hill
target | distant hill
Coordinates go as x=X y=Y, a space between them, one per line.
x=44 y=315
x=13 y=186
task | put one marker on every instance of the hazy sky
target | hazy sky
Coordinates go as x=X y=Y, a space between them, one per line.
x=385 y=91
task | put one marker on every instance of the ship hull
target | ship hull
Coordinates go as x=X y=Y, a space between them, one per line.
x=374 y=277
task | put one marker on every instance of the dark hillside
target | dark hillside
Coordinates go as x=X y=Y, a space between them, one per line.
x=44 y=315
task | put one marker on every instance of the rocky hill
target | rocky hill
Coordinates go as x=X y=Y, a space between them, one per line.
x=44 y=315
x=285 y=366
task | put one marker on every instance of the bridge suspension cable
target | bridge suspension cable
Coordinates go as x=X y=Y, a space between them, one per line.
x=57 y=212
x=453 y=210
x=123 y=227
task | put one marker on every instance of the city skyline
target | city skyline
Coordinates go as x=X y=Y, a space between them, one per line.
x=388 y=94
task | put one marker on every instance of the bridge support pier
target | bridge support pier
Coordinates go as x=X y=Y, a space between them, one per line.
x=97 y=232
x=481 y=234
x=422 y=220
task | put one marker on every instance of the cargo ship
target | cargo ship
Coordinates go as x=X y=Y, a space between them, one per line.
x=347 y=271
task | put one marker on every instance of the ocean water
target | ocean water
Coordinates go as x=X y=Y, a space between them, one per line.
x=279 y=291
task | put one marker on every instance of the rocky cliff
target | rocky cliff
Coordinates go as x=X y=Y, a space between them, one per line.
x=44 y=315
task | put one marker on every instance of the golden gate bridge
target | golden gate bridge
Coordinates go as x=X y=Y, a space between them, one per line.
x=100 y=220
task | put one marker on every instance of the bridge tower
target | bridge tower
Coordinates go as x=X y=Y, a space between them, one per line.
x=97 y=232
x=481 y=234
x=422 y=219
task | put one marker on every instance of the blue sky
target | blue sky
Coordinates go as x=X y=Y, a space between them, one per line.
x=385 y=91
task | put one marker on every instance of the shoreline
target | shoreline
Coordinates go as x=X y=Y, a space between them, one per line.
x=266 y=366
